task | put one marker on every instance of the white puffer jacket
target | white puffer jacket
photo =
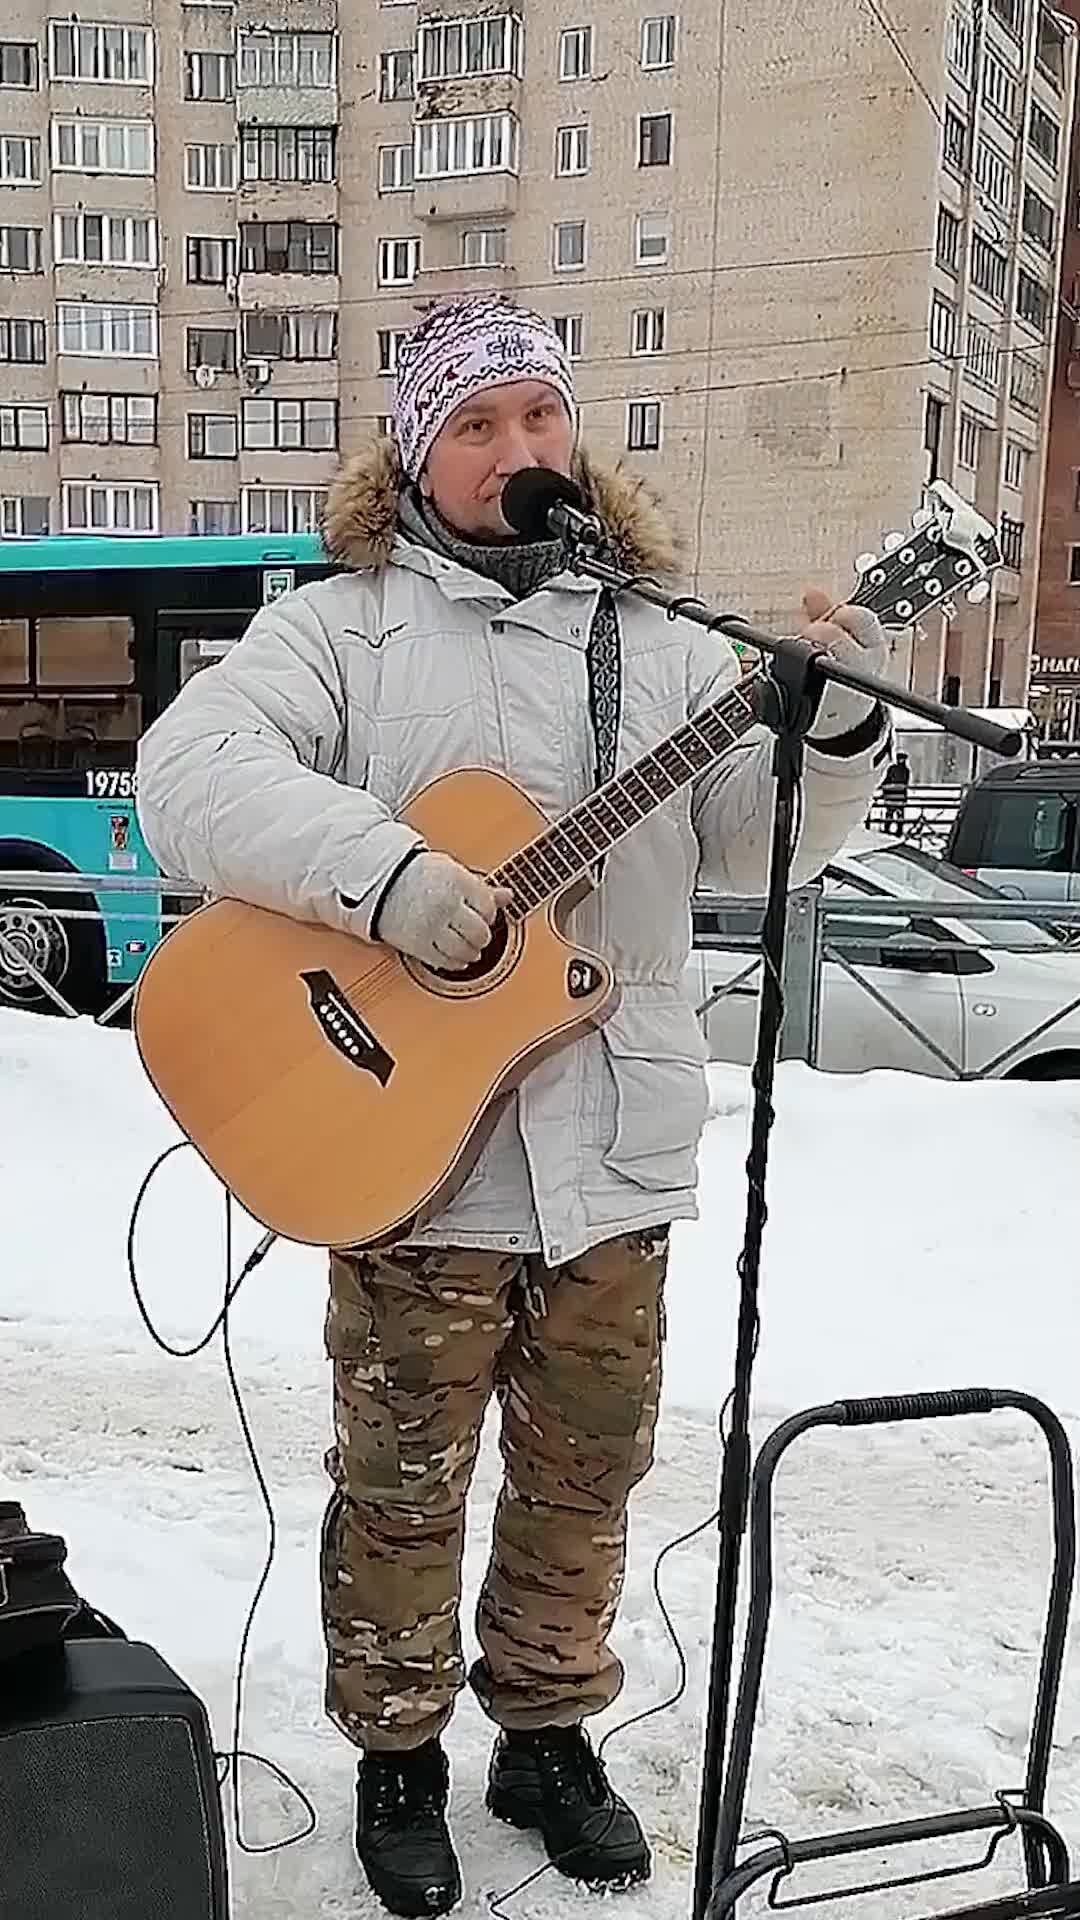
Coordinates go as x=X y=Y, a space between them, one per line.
x=275 y=777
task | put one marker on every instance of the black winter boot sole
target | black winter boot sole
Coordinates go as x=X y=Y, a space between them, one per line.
x=613 y=1877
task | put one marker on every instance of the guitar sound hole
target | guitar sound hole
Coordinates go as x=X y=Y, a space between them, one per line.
x=488 y=961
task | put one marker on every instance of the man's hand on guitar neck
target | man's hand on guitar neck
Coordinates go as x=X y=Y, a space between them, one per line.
x=855 y=636
x=438 y=912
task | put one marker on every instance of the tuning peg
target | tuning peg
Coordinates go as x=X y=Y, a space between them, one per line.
x=864 y=561
x=922 y=517
x=980 y=591
x=892 y=541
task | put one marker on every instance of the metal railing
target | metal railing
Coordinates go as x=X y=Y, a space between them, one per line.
x=923 y=819
x=171 y=900
x=824 y=932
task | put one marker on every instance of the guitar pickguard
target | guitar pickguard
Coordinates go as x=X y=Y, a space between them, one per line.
x=342 y=1026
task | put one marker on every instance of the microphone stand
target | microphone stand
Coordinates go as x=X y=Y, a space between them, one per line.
x=798 y=676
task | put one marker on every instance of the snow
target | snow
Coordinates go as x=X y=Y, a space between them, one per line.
x=921 y=1235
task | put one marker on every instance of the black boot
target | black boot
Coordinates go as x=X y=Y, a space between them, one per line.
x=553 y=1781
x=402 y=1839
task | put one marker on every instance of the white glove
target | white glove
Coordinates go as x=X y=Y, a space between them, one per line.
x=855 y=636
x=440 y=913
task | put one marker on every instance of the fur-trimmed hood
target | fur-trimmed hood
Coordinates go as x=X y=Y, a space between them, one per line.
x=360 y=525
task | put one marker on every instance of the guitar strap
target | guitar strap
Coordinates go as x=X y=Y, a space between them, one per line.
x=603 y=660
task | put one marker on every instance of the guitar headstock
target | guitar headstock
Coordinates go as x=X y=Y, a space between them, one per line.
x=951 y=549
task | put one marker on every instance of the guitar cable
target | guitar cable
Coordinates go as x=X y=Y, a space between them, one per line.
x=228 y=1760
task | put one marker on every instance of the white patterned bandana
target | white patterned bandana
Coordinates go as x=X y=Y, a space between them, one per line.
x=462 y=346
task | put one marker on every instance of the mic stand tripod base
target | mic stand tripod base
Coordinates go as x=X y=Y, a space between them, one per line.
x=789 y=704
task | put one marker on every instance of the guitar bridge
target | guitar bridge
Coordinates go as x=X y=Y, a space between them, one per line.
x=342 y=1026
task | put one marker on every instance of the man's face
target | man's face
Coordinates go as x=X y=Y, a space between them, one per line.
x=484 y=442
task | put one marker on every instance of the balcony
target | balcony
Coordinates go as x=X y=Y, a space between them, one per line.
x=472 y=196
x=1012 y=542
x=434 y=280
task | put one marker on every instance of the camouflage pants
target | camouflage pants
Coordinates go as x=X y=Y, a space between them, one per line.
x=420 y=1339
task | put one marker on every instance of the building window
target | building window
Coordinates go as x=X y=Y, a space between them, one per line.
x=1025 y=383
x=296 y=335
x=998 y=89
x=1032 y=300
x=24 y=516
x=486 y=143
x=1050 y=50
x=24 y=429
x=211 y=436
x=103 y=146
x=109 y=419
x=967 y=446
x=269 y=59
x=214 y=517
x=288 y=154
x=121 y=55
x=643 y=426
x=22 y=343
x=947 y=252
x=20 y=160
x=658 y=41
x=652 y=239
x=209 y=262
x=1012 y=542
x=291 y=426
x=1016 y=459
x=575 y=53
x=933 y=422
x=959 y=42
x=283 y=509
x=210 y=167
x=399 y=262
x=209 y=76
x=18 y=63
x=982 y=357
x=389 y=341
x=954 y=142
x=1044 y=134
x=484 y=247
x=993 y=173
x=288 y=246
x=396 y=74
x=107 y=332
x=1008 y=12
x=93 y=508
x=568 y=251
x=451 y=49
x=988 y=269
x=213 y=347
x=648 y=330
x=396 y=168
x=942 y=325
x=654 y=140
x=571 y=150
x=570 y=328
x=1038 y=220
x=21 y=250
x=105 y=239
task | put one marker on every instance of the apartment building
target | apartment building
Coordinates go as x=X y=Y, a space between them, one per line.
x=800 y=266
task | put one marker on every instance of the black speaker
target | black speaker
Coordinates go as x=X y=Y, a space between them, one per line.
x=109 y=1803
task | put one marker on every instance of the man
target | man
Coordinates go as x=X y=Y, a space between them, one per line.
x=276 y=779
x=894 y=792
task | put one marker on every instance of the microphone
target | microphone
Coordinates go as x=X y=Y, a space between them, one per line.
x=538 y=503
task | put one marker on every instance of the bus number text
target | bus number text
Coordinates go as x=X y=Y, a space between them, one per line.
x=111 y=783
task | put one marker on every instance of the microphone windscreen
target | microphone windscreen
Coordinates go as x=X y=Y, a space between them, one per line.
x=528 y=497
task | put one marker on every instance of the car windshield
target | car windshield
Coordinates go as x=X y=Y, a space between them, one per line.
x=923 y=877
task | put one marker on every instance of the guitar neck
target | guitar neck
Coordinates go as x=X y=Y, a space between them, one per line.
x=573 y=846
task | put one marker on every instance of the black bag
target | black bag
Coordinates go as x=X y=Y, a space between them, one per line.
x=39 y=1607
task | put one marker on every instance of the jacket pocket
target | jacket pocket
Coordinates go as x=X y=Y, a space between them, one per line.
x=656 y=1056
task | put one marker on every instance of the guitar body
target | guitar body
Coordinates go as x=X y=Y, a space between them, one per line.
x=340 y=1092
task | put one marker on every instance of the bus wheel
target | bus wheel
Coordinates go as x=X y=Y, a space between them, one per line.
x=69 y=954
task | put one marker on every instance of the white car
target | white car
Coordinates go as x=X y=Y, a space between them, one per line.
x=954 y=997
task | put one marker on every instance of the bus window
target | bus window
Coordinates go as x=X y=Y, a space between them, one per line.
x=84 y=653
x=14 y=653
x=196 y=653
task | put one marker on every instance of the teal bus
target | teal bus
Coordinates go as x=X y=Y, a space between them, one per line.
x=96 y=637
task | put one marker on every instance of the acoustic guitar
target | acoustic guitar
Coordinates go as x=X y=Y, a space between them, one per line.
x=342 y=1092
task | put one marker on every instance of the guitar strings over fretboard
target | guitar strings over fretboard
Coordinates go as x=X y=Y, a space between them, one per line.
x=570 y=848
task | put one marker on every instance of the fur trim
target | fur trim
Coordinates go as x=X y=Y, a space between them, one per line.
x=361 y=514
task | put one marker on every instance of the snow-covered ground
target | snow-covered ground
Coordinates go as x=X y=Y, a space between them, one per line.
x=921 y=1235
